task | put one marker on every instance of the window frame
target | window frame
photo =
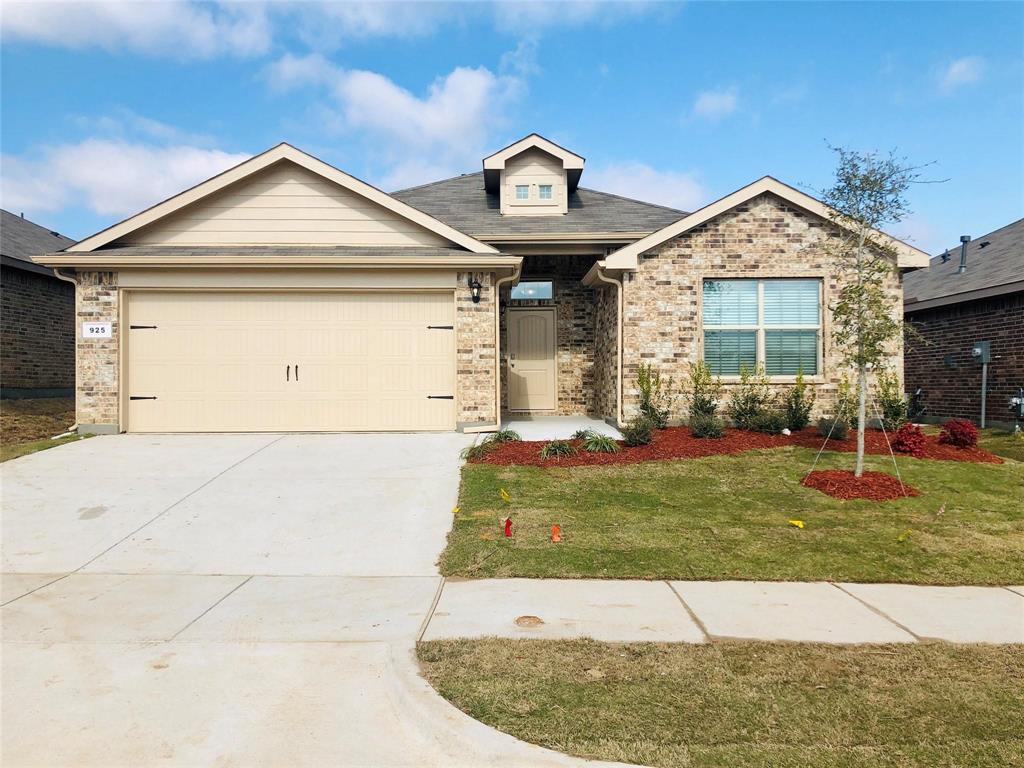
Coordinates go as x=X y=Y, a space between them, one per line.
x=551 y=191
x=516 y=189
x=760 y=327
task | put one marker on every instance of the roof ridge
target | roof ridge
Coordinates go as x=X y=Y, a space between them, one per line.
x=435 y=183
x=636 y=200
x=980 y=237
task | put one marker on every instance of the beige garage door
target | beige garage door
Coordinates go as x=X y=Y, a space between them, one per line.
x=224 y=362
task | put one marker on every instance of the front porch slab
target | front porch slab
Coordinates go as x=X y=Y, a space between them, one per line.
x=555 y=427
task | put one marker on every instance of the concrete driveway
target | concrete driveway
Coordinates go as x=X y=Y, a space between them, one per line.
x=231 y=600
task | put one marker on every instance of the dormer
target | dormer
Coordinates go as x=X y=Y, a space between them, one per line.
x=534 y=177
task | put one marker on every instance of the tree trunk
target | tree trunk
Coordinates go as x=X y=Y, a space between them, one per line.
x=862 y=407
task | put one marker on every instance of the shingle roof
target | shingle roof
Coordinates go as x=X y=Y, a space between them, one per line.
x=995 y=264
x=462 y=203
x=21 y=239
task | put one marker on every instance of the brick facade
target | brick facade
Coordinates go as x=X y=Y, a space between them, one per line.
x=37 y=339
x=474 y=350
x=575 y=309
x=98 y=370
x=763 y=238
x=606 y=353
x=940 y=362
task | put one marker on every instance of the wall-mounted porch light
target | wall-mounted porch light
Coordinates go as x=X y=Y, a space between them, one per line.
x=474 y=288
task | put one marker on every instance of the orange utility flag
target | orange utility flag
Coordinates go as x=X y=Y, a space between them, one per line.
x=556 y=534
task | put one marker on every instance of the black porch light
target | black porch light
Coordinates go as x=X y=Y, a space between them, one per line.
x=474 y=288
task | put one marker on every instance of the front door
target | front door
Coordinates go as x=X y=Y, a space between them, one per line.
x=531 y=360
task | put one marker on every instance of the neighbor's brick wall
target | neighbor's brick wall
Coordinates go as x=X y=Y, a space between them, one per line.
x=97 y=392
x=474 y=349
x=574 y=305
x=37 y=327
x=763 y=238
x=606 y=354
x=955 y=392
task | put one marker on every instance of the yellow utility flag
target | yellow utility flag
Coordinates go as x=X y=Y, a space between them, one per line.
x=797 y=523
x=505 y=497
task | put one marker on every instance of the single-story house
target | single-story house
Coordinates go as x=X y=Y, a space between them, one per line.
x=970 y=298
x=285 y=294
x=37 y=332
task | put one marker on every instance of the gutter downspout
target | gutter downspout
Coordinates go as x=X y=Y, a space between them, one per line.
x=619 y=302
x=74 y=331
x=497 y=354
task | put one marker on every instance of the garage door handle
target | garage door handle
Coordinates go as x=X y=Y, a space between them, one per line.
x=440 y=327
x=140 y=327
x=287 y=373
x=138 y=397
x=296 y=371
x=440 y=397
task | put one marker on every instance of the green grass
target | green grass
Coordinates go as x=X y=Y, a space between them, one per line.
x=725 y=517
x=744 y=705
x=1002 y=443
x=14 y=450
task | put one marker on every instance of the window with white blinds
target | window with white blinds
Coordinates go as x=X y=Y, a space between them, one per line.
x=772 y=323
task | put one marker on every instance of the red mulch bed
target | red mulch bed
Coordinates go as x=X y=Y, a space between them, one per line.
x=840 y=484
x=679 y=443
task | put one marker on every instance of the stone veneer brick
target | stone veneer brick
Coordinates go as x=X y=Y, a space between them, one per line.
x=574 y=305
x=763 y=238
x=97 y=391
x=606 y=353
x=474 y=350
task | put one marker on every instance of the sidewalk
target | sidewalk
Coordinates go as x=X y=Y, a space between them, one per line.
x=704 y=611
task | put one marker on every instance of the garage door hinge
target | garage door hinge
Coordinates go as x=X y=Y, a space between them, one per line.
x=440 y=397
x=137 y=397
x=140 y=327
x=440 y=327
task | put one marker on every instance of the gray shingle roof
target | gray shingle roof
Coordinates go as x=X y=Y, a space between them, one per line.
x=995 y=264
x=463 y=203
x=21 y=239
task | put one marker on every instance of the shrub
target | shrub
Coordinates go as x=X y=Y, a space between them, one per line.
x=506 y=436
x=771 y=422
x=798 y=404
x=706 y=425
x=909 y=439
x=705 y=391
x=638 y=431
x=481 y=449
x=558 y=448
x=751 y=398
x=959 y=433
x=598 y=443
x=582 y=434
x=656 y=395
x=891 y=401
x=834 y=429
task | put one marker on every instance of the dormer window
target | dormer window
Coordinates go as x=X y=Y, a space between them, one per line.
x=533 y=177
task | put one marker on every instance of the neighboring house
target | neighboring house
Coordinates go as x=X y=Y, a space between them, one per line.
x=970 y=294
x=284 y=294
x=37 y=314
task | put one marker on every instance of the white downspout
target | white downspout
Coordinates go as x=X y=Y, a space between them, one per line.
x=619 y=422
x=74 y=336
x=497 y=354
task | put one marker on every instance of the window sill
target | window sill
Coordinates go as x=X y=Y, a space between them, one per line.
x=777 y=379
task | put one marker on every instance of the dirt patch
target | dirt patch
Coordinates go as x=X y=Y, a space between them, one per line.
x=679 y=443
x=840 y=484
x=529 y=621
x=24 y=420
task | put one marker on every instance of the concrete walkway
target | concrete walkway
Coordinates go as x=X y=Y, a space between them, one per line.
x=231 y=600
x=703 y=611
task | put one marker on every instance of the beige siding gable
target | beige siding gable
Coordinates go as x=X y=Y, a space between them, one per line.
x=534 y=168
x=285 y=204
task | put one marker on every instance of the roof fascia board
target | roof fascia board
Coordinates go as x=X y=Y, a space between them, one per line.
x=629 y=256
x=259 y=163
x=570 y=160
x=111 y=259
x=568 y=237
x=27 y=266
x=910 y=307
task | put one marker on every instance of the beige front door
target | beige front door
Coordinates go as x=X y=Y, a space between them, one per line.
x=289 y=361
x=531 y=360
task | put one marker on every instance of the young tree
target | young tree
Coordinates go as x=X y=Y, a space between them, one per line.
x=869 y=194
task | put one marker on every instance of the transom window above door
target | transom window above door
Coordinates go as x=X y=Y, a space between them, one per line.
x=531 y=290
x=771 y=323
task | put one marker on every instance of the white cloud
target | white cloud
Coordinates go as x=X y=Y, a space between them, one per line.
x=964 y=71
x=326 y=26
x=177 y=29
x=714 y=105
x=642 y=182
x=110 y=177
x=441 y=132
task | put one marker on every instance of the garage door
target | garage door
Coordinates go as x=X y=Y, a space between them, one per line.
x=224 y=362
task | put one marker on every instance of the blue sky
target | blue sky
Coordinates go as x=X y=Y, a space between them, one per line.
x=109 y=107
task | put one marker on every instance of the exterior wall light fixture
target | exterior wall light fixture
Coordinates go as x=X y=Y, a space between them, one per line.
x=474 y=288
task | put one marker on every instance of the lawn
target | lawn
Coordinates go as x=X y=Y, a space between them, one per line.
x=744 y=704
x=26 y=426
x=1002 y=443
x=727 y=517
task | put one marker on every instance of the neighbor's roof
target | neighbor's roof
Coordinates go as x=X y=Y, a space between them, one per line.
x=463 y=203
x=21 y=239
x=995 y=266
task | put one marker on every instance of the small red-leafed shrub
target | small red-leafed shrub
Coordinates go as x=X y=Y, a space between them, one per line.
x=910 y=439
x=960 y=433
